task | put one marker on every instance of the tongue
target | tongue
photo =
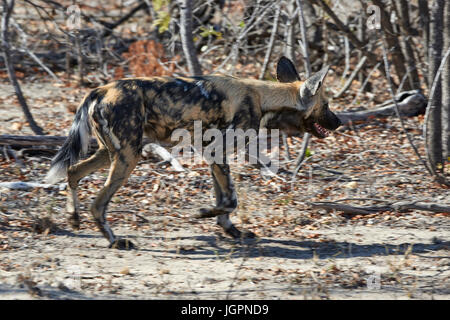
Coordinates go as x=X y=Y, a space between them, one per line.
x=321 y=130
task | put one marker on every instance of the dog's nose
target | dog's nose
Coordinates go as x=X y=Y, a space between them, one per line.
x=336 y=123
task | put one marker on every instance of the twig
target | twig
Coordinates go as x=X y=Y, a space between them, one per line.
x=286 y=146
x=110 y=26
x=397 y=110
x=257 y=16
x=30 y=53
x=301 y=155
x=232 y=284
x=351 y=78
x=306 y=136
x=79 y=58
x=164 y=154
x=347 y=58
x=365 y=82
x=271 y=42
x=439 y=177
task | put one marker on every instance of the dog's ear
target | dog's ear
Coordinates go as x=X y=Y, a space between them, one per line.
x=286 y=71
x=312 y=85
x=309 y=92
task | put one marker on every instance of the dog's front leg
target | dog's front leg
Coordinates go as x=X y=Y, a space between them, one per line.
x=226 y=201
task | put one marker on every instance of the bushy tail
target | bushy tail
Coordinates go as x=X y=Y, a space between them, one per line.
x=76 y=144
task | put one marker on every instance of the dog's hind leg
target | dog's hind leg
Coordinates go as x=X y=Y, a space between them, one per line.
x=122 y=163
x=226 y=201
x=75 y=173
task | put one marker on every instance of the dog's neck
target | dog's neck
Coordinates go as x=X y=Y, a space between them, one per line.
x=290 y=121
x=276 y=96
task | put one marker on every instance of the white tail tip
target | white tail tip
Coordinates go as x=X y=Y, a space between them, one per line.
x=57 y=172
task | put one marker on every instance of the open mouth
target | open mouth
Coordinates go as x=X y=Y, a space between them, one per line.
x=321 y=131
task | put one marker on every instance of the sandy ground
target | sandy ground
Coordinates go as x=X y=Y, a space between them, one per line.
x=400 y=256
x=381 y=263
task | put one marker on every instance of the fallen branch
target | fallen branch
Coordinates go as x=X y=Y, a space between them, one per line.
x=55 y=141
x=397 y=108
x=271 y=42
x=400 y=206
x=6 y=48
x=163 y=154
x=14 y=140
x=25 y=186
x=410 y=104
x=348 y=209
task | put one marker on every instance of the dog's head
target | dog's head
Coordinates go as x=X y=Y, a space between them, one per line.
x=314 y=115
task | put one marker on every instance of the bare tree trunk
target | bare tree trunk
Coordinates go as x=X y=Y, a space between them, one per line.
x=314 y=31
x=68 y=56
x=433 y=132
x=7 y=10
x=347 y=58
x=289 y=52
x=425 y=27
x=446 y=89
x=402 y=10
x=187 y=40
x=290 y=35
x=398 y=58
x=438 y=169
x=362 y=37
x=301 y=20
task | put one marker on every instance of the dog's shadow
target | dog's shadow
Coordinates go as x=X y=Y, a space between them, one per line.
x=218 y=246
x=207 y=247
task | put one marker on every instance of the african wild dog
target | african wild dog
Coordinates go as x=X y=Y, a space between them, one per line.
x=119 y=114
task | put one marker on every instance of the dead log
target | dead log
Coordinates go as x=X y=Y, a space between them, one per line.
x=27 y=141
x=399 y=206
x=55 y=141
x=410 y=103
x=26 y=186
x=163 y=154
x=347 y=209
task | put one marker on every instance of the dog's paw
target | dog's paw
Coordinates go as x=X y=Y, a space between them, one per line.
x=204 y=213
x=209 y=213
x=122 y=244
x=74 y=221
x=246 y=234
x=240 y=235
